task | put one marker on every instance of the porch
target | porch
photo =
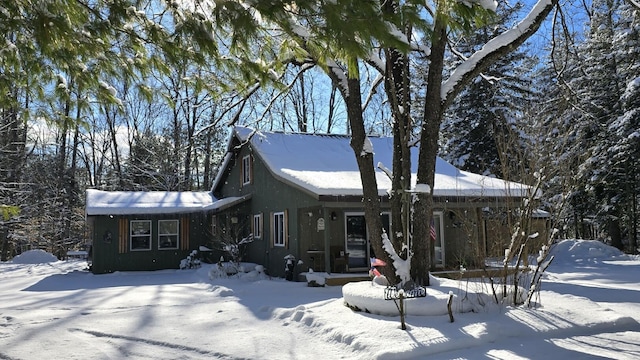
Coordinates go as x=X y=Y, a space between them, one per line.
x=339 y=279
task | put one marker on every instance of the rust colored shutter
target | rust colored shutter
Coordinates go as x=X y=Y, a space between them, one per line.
x=241 y=171
x=250 y=169
x=285 y=229
x=253 y=225
x=123 y=235
x=273 y=232
x=184 y=233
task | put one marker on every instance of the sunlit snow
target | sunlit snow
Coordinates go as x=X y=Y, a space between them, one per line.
x=588 y=308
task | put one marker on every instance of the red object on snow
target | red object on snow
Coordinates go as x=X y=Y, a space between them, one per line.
x=375 y=272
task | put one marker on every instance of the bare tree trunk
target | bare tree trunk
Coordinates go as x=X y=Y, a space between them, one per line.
x=421 y=262
x=303 y=120
x=634 y=219
x=397 y=88
x=13 y=139
x=332 y=104
x=111 y=123
x=62 y=183
x=615 y=233
x=191 y=121
x=364 y=158
x=4 y=247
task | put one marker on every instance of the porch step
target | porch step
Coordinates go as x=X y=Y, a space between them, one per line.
x=338 y=279
x=342 y=280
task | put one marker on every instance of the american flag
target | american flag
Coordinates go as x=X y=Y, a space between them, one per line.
x=377 y=262
x=432 y=231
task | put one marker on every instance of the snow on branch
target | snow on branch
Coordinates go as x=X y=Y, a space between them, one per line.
x=635 y=3
x=376 y=62
x=496 y=48
x=372 y=91
x=339 y=76
x=402 y=266
x=485 y=4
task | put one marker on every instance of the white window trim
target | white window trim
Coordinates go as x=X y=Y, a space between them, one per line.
x=257 y=226
x=177 y=234
x=246 y=169
x=131 y=235
x=278 y=236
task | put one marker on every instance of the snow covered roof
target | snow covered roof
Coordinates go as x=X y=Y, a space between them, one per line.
x=326 y=165
x=100 y=202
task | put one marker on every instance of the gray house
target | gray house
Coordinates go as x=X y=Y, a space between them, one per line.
x=304 y=199
x=296 y=194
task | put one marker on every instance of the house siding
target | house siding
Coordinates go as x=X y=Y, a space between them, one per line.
x=111 y=244
x=274 y=197
x=467 y=239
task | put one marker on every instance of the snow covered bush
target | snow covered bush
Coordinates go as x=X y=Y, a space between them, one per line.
x=224 y=270
x=191 y=261
x=231 y=237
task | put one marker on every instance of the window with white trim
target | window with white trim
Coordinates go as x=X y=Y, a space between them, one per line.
x=279 y=229
x=256 y=227
x=246 y=169
x=168 y=234
x=140 y=235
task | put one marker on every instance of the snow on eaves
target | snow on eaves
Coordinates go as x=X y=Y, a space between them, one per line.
x=100 y=202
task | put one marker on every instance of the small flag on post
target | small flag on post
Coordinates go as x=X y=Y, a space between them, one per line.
x=377 y=262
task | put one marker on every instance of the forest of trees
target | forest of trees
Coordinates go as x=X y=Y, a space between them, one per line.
x=139 y=95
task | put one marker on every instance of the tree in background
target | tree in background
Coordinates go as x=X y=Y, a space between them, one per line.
x=482 y=131
x=72 y=65
x=590 y=126
x=102 y=65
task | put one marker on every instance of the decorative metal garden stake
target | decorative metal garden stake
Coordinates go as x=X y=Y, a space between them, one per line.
x=449 y=306
x=392 y=293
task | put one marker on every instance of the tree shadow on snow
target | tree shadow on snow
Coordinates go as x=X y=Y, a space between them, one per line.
x=80 y=280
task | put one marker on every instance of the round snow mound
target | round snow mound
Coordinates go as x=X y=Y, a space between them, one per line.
x=580 y=251
x=34 y=257
x=369 y=297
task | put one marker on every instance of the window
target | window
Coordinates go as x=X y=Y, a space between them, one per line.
x=279 y=229
x=168 y=234
x=140 y=235
x=246 y=170
x=256 y=226
x=214 y=225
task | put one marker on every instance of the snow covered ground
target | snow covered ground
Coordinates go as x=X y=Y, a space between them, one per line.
x=589 y=309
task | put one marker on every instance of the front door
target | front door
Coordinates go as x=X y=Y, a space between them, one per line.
x=357 y=240
x=357 y=245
